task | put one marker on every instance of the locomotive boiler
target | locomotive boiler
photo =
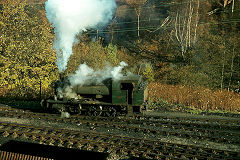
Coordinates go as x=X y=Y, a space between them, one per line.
x=110 y=97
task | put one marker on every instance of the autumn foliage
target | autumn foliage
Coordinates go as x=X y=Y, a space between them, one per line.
x=27 y=60
x=199 y=98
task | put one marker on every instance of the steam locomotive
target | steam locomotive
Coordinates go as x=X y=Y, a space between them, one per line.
x=125 y=96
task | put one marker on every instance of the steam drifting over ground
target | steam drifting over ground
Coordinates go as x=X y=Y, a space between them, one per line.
x=72 y=17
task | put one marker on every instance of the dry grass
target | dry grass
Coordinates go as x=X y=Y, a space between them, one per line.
x=199 y=98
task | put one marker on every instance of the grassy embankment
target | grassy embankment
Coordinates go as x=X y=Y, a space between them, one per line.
x=194 y=100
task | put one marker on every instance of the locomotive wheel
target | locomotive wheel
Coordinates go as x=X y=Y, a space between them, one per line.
x=61 y=108
x=79 y=109
x=94 y=110
x=44 y=104
x=111 y=111
x=48 y=106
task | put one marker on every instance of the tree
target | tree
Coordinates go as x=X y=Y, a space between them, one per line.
x=137 y=5
x=186 y=25
x=27 y=58
x=112 y=54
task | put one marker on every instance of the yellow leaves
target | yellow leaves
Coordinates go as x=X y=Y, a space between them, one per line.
x=26 y=44
x=112 y=54
x=226 y=2
x=5 y=73
x=148 y=72
x=2 y=24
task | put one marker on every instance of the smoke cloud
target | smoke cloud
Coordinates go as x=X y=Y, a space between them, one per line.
x=85 y=74
x=72 y=17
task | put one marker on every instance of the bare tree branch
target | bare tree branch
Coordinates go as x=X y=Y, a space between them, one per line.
x=186 y=24
x=196 y=25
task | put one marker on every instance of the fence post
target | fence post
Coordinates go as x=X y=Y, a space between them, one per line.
x=40 y=91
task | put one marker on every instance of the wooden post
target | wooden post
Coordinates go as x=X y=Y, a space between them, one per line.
x=40 y=91
x=97 y=35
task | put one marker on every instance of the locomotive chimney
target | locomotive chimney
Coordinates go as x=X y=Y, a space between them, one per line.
x=62 y=76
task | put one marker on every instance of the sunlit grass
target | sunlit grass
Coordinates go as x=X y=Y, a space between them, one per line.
x=200 y=99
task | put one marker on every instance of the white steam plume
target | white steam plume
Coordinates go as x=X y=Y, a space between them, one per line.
x=71 y=17
x=85 y=74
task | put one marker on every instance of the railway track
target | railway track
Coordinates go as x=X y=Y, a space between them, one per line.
x=102 y=142
x=219 y=133
x=228 y=124
x=101 y=134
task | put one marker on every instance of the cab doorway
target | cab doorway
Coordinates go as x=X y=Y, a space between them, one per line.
x=129 y=87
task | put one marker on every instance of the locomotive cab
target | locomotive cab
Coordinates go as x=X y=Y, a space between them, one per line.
x=130 y=91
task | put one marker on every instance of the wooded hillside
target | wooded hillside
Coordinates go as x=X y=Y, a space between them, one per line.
x=193 y=43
